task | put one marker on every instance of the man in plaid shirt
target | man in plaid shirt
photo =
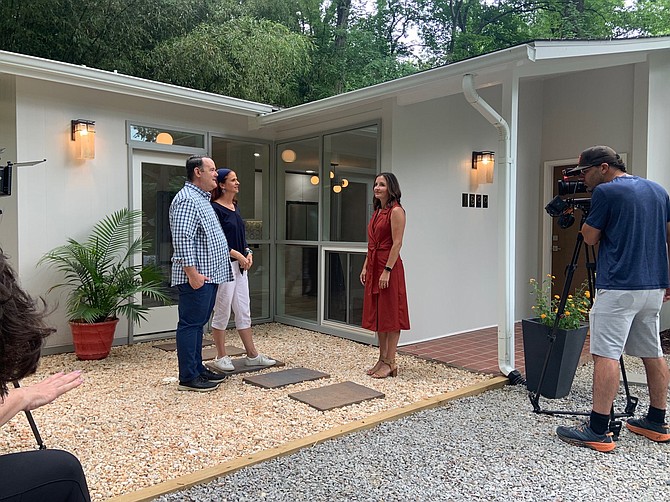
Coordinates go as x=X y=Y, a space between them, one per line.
x=201 y=261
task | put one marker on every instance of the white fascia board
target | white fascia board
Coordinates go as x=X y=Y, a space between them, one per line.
x=479 y=65
x=549 y=49
x=92 y=78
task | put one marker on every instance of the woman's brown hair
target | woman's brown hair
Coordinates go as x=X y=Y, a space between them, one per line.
x=393 y=188
x=22 y=328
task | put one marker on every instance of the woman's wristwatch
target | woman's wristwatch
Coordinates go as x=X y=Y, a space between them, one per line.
x=388 y=269
x=248 y=251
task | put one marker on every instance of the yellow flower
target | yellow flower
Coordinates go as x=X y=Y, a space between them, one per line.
x=543 y=316
x=569 y=296
x=587 y=293
x=557 y=297
x=567 y=313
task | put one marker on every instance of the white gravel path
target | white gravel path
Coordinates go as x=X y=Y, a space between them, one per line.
x=490 y=447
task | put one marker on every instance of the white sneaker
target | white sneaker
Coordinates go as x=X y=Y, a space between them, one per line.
x=224 y=363
x=259 y=360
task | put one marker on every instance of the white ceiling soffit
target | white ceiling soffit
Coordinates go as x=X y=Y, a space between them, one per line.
x=70 y=74
x=539 y=58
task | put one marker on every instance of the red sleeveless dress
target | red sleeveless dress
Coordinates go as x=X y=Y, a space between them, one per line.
x=386 y=309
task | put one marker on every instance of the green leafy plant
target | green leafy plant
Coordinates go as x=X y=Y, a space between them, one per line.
x=103 y=283
x=576 y=310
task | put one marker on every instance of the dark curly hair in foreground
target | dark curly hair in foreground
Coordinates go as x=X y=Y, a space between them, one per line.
x=22 y=328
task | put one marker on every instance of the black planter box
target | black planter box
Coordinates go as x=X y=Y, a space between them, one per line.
x=563 y=362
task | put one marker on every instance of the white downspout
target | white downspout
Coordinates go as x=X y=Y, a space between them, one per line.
x=506 y=229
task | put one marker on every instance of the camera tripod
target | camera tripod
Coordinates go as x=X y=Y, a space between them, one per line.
x=33 y=425
x=631 y=401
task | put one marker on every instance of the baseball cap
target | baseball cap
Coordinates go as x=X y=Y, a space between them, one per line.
x=594 y=156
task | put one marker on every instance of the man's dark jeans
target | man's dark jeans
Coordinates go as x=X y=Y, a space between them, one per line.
x=195 y=307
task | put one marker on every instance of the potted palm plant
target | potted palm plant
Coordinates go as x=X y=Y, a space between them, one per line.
x=103 y=283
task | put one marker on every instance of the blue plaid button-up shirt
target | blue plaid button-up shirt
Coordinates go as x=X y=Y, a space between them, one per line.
x=197 y=237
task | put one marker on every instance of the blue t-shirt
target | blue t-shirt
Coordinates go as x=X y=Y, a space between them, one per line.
x=233 y=227
x=632 y=213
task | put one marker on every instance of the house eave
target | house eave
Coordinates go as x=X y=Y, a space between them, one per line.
x=527 y=59
x=92 y=78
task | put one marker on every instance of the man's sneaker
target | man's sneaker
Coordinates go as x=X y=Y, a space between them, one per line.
x=651 y=430
x=584 y=436
x=224 y=363
x=199 y=384
x=213 y=377
x=259 y=360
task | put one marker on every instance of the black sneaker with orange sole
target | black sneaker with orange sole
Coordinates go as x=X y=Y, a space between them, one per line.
x=651 y=430
x=584 y=436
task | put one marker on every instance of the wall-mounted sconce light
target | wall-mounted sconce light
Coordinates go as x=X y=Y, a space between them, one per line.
x=483 y=162
x=164 y=138
x=337 y=188
x=314 y=180
x=288 y=156
x=83 y=135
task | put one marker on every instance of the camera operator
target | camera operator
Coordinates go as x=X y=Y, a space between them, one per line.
x=52 y=475
x=630 y=218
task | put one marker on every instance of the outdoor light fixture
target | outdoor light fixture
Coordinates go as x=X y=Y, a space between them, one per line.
x=288 y=156
x=482 y=159
x=83 y=135
x=164 y=138
x=483 y=162
x=314 y=180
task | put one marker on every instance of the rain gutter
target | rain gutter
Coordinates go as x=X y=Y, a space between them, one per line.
x=506 y=228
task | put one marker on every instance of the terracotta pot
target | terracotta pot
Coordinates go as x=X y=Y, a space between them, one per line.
x=93 y=340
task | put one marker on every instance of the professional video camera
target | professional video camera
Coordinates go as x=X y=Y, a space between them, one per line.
x=563 y=206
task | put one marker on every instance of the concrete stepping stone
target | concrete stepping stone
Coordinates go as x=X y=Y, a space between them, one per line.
x=240 y=367
x=210 y=352
x=283 y=378
x=336 y=395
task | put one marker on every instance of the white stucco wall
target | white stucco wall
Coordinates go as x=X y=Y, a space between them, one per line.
x=449 y=251
x=659 y=133
x=8 y=218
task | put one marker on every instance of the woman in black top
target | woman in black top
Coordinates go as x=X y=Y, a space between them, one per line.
x=233 y=294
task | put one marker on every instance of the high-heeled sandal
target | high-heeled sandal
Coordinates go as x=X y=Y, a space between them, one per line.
x=375 y=368
x=393 y=369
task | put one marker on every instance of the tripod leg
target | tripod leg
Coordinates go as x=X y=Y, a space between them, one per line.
x=33 y=425
x=615 y=425
x=631 y=401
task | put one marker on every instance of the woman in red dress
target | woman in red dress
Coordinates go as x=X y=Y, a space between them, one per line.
x=383 y=276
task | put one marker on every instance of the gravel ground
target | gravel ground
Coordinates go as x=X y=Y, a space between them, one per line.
x=131 y=428
x=489 y=447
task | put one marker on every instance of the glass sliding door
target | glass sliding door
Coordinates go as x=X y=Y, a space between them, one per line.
x=251 y=163
x=351 y=160
x=324 y=203
x=298 y=179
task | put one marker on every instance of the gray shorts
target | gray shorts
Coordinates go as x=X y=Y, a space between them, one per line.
x=626 y=320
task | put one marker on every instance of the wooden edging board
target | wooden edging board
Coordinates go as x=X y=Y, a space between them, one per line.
x=211 y=473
